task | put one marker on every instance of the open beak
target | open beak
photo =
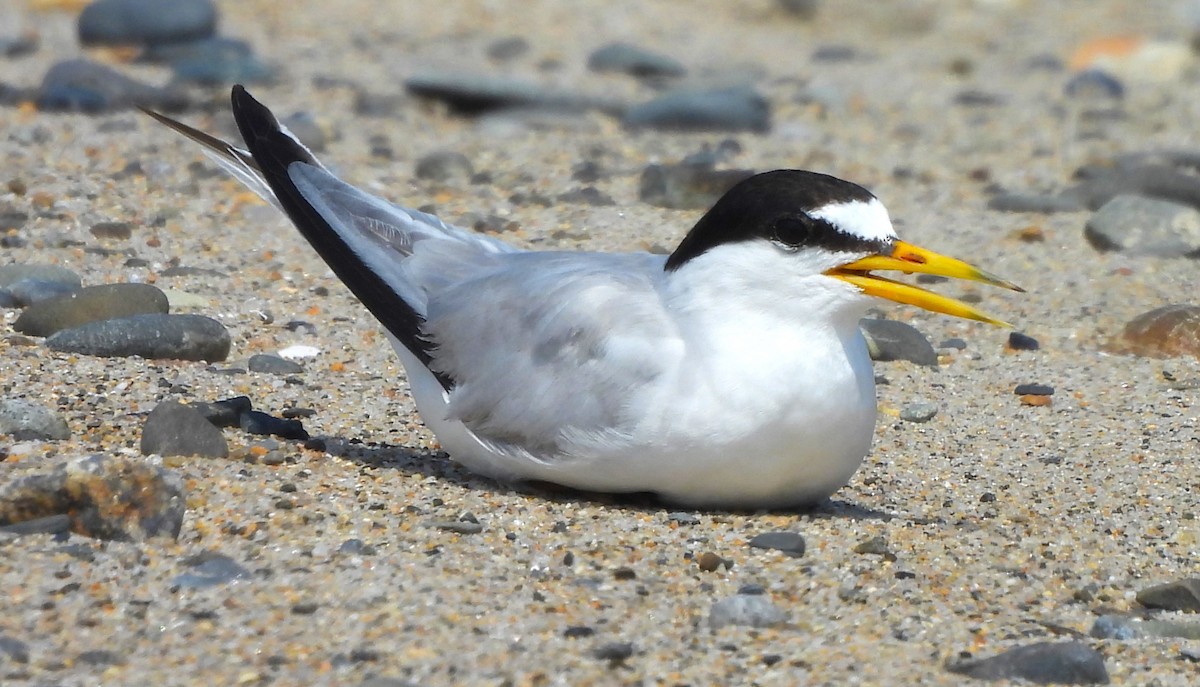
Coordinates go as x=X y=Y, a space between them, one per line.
x=908 y=258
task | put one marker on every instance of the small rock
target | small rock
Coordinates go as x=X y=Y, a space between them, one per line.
x=173 y=429
x=1071 y=663
x=508 y=48
x=24 y=420
x=889 y=340
x=50 y=524
x=875 y=545
x=683 y=518
x=305 y=608
x=273 y=364
x=1034 y=390
x=1021 y=342
x=1167 y=332
x=143 y=22
x=614 y=652
x=749 y=610
x=475 y=95
x=443 y=166
x=256 y=422
x=90 y=304
x=687 y=186
x=458 y=526
x=117 y=231
x=1117 y=627
x=918 y=412
x=154 y=336
x=305 y=127
x=1181 y=595
x=226 y=412
x=587 y=195
x=1145 y=226
x=80 y=85
x=209 y=569
x=801 y=9
x=717 y=109
x=107 y=497
x=791 y=543
x=16 y=650
x=578 y=632
x=630 y=59
x=19 y=46
x=1095 y=86
x=212 y=61
x=100 y=657
x=10 y=274
x=1029 y=202
x=709 y=561
x=30 y=291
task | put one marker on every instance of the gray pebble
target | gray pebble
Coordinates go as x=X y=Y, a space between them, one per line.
x=155 y=336
x=10 y=274
x=1145 y=226
x=29 y=291
x=50 y=524
x=614 y=652
x=1030 y=202
x=26 y=420
x=749 y=610
x=918 y=412
x=1117 y=627
x=226 y=412
x=173 y=429
x=209 y=569
x=444 y=165
x=100 y=657
x=215 y=61
x=1101 y=184
x=801 y=9
x=509 y=48
x=687 y=186
x=474 y=95
x=256 y=422
x=1180 y=595
x=1126 y=628
x=889 y=340
x=305 y=127
x=90 y=304
x=1071 y=663
x=273 y=364
x=791 y=543
x=16 y=650
x=630 y=59
x=736 y=108
x=80 y=85
x=1094 y=85
x=458 y=526
x=683 y=518
x=144 y=22
x=1034 y=389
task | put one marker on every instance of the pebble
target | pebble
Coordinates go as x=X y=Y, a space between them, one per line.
x=81 y=85
x=791 y=543
x=1032 y=202
x=106 y=497
x=709 y=562
x=748 y=610
x=683 y=518
x=90 y=304
x=1130 y=176
x=153 y=336
x=614 y=652
x=1033 y=390
x=25 y=421
x=273 y=364
x=1180 y=595
x=889 y=340
x=226 y=412
x=26 y=43
x=10 y=274
x=458 y=526
x=507 y=48
x=876 y=546
x=687 y=186
x=305 y=127
x=212 y=61
x=1094 y=85
x=443 y=166
x=1168 y=332
x=918 y=412
x=1070 y=663
x=735 y=108
x=144 y=22
x=629 y=59
x=1145 y=226
x=209 y=569
x=174 y=429
x=1125 y=628
x=116 y=231
x=474 y=95
x=1018 y=341
x=50 y=524
x=29 y=291
x=260 y=423
x=16 y=650
x=801 y=9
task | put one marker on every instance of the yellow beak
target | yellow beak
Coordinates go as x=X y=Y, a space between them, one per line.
x=908 y=258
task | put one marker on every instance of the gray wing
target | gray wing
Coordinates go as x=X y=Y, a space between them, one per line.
x=551 y=350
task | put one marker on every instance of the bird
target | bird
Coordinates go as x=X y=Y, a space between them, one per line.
x=731 y=373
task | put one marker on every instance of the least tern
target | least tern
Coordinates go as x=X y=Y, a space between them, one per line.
x=731 y=373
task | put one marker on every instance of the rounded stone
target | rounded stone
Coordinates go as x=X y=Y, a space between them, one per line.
x=155 y=336
x=90 y=304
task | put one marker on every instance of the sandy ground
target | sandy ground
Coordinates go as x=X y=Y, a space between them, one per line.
x=1008 y=524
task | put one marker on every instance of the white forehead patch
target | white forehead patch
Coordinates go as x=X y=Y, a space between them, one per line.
x=866 y=219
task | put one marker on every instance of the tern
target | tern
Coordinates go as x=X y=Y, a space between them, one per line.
x=731 y=373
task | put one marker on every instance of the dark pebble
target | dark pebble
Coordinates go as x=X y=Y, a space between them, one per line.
x=458 y=526
x=100 y=657
x=889 y=340
x=256 y=422
x=1145 y=226
x=1030 y=202
x=305 y=608
x=835 y=53
x=474 y=95
x=508 y=48
x=683 y=518
x=1181 y=595
x=188 y=271
x=80 y=85
x=791 y=543
x=209 y=569
x=226 y=412
x=954 y=344
x=144 y=22
x=1022 y=342
x=687 y=186
x=1094 y=84
x=356 y=547
x=718 y=109
x=749 y=610
x=50 y=524
x=752 y=589
x=630 y=59
x=155 y=336
x=801 y=9
x=614 y=652
x=212 y=61
x=106 y=497
x=16 y=650
x=1070 y=663
x=10 y=274
x=1034 y=389
x=587 y=195
x=273 y=364
x=173 y=429
x=578 y=632
x=443 y=166
x=116 y=231
x=90 y=304
x=25 y=420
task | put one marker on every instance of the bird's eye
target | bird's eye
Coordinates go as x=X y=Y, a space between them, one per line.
x=792 y=232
